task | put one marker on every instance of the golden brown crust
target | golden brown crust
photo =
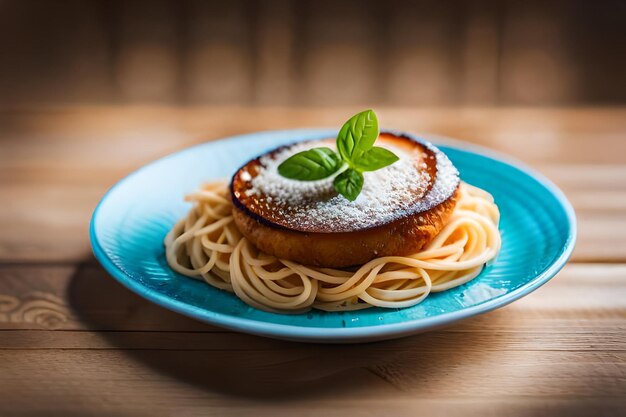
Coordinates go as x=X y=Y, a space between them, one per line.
x=403 y=236
x=337 y=250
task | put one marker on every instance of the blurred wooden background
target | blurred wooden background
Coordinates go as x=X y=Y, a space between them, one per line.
x=312 y=53
x=91 y=90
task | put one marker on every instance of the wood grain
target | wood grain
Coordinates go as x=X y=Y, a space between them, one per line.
x=548 y=347
x=75 y=342
x=70 y=166
x=397 y=52
x=75 y=294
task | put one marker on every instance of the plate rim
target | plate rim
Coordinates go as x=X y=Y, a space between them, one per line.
x=344 y=334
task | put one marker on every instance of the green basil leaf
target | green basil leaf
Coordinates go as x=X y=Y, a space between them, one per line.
x=357 y=136
x=375 y=158
x=310 y=165
x=349 y=184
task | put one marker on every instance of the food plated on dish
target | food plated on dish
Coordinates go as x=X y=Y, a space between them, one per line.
x=360 y=220
x=536 y=224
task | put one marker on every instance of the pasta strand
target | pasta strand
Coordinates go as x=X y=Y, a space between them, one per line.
x=206 y=245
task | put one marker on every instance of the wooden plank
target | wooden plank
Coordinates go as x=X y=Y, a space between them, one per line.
x=336 y=39
x=426 y=375
x=537 y=61
x=320 y=383
x=413 y=52
x=480 y=53
x=424 y=53
x=147 y=43
x=145 y=399
x=66 y=159
x=610 y=338
x=275 y=44
x=54 y=53
x=219 y=62
x=552 y=352
x=74 y=136
x=70 y=298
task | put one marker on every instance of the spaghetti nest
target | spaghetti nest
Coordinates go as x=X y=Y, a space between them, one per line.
x=207 y=245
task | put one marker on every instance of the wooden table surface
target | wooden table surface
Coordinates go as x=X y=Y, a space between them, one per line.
x=73 y=342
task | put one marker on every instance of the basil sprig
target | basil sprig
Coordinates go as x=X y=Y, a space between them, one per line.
x=357 y=154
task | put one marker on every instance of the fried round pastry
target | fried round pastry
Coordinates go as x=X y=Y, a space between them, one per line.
x=399 y=211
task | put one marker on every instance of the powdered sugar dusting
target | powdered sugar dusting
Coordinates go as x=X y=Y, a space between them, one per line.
x=403 y=188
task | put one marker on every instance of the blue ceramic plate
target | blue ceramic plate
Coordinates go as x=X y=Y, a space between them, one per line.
x=127 y=229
